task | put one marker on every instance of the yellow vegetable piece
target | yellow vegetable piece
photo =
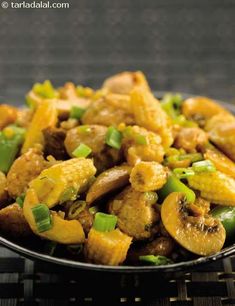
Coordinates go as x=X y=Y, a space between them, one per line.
x=221 y=161
x=223 y=135
x=68 y=177
x=8 y=115
x=124 y=82
x=215 y=187
x=108 y=181
x=148 y=176
x=149 y=114
x=45 y=116
x=62 y=231
x=201 y=235
x=3 y=187
x=107 y=248
x=201 y=109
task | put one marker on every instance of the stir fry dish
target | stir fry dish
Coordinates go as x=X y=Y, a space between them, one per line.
x=115 y=176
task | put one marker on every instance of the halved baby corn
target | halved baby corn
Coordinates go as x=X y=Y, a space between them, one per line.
x=62 y=231
x=221 y=161
x=63 y=181
x=45 y=116
x=149 y=114
x=215 y=187
x=107 y=248
x=148 y=176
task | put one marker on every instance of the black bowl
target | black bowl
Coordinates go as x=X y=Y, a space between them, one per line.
x=161 y=272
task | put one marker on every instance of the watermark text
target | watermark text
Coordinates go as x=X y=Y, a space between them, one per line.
x=34 y=5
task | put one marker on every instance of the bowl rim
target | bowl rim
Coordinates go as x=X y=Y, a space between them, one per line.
x=175 y=267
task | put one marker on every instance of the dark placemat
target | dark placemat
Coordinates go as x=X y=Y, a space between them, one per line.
x=24 y=282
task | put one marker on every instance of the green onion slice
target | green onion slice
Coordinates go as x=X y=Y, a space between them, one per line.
x=77 y=112
x=181 y=120
x=75 y=209
x=171 y=104
x=42 y=217
x=194 y=157
x=204 y=166
x=104 y=222
x=45 y=90
x=20 y=200
x=182 y=173
x=113 y=138
x=155 y=260
x=82 y=151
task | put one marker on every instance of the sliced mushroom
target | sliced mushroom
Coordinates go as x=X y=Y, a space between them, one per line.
x=54 y=142
x=124 y=82
x=109 y=180
x=162 y=246
x=202 y=235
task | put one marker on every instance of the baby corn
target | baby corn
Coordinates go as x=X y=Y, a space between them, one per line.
x=148 y=176
x=223 y=136
x=63 y=181
x=215 y=187
x=107 y=248
x=149 y=114
x=45 y=116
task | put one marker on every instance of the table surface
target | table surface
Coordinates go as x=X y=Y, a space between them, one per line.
x=24 y=282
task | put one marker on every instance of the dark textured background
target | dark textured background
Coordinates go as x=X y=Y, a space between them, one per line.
x=181 y=45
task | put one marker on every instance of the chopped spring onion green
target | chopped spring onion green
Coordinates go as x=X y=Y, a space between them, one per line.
x=76 y=112
x=82 y=151
x=141 y=139
x=8 y=151
x=45 y=90
x=194 y=157
x=173 y=184
x=171 y=104
x=155 y=260
x=20 y=200
x=104 y=222
x=75 y=209
x=10 y=140
x=113 y=138
x=204 y=166
x=181 y=120
x=182 y=173
x=42 y=217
